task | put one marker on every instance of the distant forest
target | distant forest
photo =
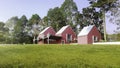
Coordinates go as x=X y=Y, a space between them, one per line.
x=22 y=30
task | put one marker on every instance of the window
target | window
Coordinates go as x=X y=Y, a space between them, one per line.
x=68 y=38
x=95 y=39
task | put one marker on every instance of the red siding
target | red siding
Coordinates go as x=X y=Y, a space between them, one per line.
x=50 y=30
x=93 y=32
x=67 y=31
x=88 y=38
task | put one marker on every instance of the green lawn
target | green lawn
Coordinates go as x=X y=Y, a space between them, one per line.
x=59 y=56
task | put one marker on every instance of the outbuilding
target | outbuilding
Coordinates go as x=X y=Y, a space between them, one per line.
x=67 y=35
x=47 y=36
x=89 y=35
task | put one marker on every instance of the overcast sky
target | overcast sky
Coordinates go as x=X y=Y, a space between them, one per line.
x=10 y=8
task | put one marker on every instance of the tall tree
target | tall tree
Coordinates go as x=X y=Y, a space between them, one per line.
x=91 y=16
x=104 y=6
x=70 y=12
x=20 y=32
x=2 y=25
x=11 y=23
x=4 y=36
x=115 y=17
x=55 y=18
x=34 y=25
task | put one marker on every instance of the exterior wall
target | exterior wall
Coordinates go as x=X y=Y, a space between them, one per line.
x=88 y=39
x=50 y=30
x=63 y=35
x=94 y=32
x=82 y=40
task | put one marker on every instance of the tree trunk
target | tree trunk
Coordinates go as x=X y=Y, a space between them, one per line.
x=104 y=24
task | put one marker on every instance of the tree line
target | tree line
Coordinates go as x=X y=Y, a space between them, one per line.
x=22 y=30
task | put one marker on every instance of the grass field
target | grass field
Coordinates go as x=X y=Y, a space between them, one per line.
x=59 y=56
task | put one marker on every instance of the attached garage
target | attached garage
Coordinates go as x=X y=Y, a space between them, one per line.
x=89 y=35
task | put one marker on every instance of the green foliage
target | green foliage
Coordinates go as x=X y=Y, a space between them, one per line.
x=1 y=25
x=11 y=23
x=35 y=19
x=20 y=34
x=118 y=36
x=92 y=17
x=104 y=6
x=114 y=37
x=3 y=33
x=55 y=18
x=59 y=56
x=70 y=12
x=67 y=14
x=34 y=25
x=20 y=30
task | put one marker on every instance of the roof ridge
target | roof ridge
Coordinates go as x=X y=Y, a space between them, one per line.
x=86 y=30
x=62 y=29
x=45 y=29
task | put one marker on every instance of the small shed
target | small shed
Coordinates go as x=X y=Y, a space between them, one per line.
x=67 y=35
x=47 y=36
x=89 y=35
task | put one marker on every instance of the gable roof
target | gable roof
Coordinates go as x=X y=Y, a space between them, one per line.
x=86 y=30
x=62 y=29
x=42 y=32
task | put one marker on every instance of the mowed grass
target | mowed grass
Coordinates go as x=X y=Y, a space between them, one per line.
x=59 y=56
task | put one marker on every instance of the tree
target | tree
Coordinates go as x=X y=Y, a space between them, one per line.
x=2 y=25
x=104 y=6
x=11 y=23
x=92 y=17
x=70 y=12
x=55 y=18
x=45 y=21
x=3 y=33
x=34 y=25
x=115 y=18
x=20 y=31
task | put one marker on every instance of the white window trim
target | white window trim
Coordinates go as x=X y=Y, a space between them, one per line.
x=93 y=39
x=66 y=37
x=71 y=37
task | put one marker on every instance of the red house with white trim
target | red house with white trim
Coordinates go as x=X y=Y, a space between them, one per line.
x=89 y=35
x=47 y=30
x=48 y=34
x=67 y=35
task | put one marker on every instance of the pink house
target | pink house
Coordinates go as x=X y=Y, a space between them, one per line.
x=89 y=35
x=67 y=35
x=48 y=34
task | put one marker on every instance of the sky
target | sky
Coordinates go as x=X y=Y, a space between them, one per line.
x=10 y=8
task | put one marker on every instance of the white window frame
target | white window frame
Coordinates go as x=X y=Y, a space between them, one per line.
x=71 y=38
x=93 y=39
